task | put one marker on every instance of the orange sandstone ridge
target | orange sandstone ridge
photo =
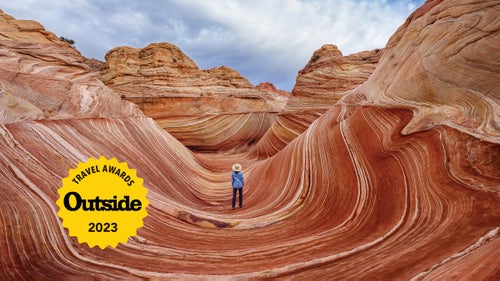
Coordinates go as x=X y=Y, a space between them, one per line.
x=448 y=74
x=204 y=109
x=326 y=78
x=391 y=182
x=43 y=78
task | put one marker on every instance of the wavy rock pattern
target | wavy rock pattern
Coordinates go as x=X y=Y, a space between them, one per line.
x=53 y=83
x=352 y=197
x=444 y=65
x=204 y=109
x=326 y=78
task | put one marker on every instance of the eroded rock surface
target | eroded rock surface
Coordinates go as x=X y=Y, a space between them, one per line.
x=42 y=77
x=206 y=110
x=326 y=78
x=449 y=73
x=367 y=192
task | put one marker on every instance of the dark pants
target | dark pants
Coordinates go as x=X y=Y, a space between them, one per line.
x=241 y=196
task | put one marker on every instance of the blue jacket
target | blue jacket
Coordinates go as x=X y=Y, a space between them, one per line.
x=237 y=179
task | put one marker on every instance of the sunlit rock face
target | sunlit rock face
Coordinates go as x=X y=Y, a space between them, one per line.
x=361 y=194
x=442 y=63
x=326 y=78
x=206 y=110
x=42 y=77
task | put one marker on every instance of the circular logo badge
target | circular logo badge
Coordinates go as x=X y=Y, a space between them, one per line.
x=102 y=202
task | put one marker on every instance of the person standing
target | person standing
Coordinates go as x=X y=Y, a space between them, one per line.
x=237 y=181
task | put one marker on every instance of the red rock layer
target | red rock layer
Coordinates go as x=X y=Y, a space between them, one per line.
x=355 y=196
x=269 y=87
x=215 y=109
x=318 y=208
x=328 y=76
x=394 y=203
x=324 y=80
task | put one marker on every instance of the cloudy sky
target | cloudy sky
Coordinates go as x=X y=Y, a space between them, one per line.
x=264 y=40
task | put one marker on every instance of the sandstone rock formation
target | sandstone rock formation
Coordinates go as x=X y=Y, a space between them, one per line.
x=447 y=73
x=32 y=89
x=385 y=185
x=326 y=78
x=269 y=87
x=204 y=109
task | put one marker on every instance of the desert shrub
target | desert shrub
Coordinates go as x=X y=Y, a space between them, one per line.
x=315 y=58
x=69 y=41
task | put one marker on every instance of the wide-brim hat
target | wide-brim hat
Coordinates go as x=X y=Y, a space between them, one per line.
x=237 y=167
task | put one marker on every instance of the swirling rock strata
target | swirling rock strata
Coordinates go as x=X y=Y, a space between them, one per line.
x=204 y=109
x=326 y=78
x=449 y=73
x=354 y=196
x=321 y=218
x=42 y=77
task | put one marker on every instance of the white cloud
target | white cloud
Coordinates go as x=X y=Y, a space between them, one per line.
x=264 y=40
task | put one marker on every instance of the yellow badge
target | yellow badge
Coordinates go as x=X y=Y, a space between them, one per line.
x=102 y=202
